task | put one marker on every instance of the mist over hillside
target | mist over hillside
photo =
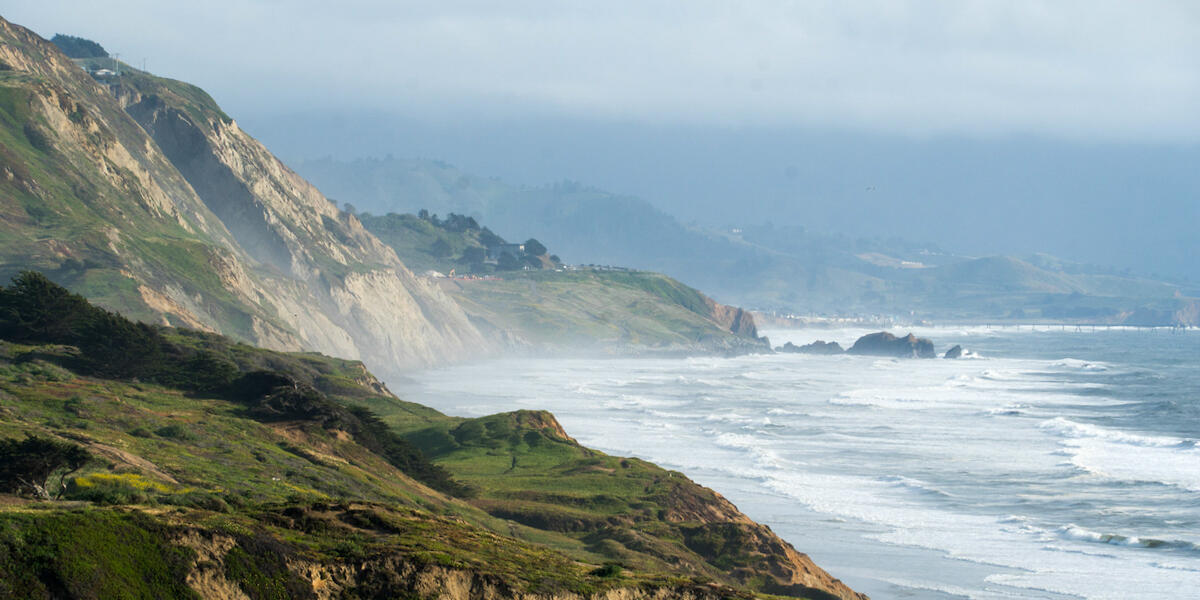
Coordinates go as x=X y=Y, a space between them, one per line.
x=773 y=266
x=1128 y=205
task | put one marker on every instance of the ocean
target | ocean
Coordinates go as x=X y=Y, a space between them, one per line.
x=1050 y=463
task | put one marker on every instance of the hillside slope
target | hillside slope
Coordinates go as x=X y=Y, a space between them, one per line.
x=771 y=266
x=221 y=470
x=140 y=193
x=542 y=305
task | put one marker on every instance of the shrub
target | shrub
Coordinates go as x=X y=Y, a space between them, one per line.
x=27 y=466
x=77 y=47
x=175 y=431
x=534 y=247
x=36 y=310
x=115 y=488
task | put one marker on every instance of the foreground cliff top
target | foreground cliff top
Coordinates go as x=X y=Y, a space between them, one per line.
x=219 y=468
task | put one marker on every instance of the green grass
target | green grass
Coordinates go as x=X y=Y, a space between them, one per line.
x=621 y=509
x=591 y=308
x=549 y=514
x=89 y=553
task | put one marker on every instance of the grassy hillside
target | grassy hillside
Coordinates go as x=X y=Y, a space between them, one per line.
x=552 y=305
x=595 y=309
x=218 y=466
x=454 y=243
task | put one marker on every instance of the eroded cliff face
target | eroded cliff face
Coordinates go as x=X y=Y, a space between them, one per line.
x=397 y=576
x=143 y=195
x=735 y=320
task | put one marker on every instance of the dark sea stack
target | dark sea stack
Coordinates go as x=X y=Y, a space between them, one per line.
x=817 y=347
x=886 y=344
x=955 y=352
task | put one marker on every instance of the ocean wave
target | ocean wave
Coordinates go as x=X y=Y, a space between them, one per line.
x=880 y=399
x=1009 y=410
x=754 y=445
x=738 y=419
x=993 y=375
x=914 y=484
x=1082 y=365
x=1079 y=534
x=779 y=412
x=1071 y=429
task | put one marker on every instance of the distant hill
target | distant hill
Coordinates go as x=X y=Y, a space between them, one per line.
x=773 y=266
x=425 y=241
x=523 y=294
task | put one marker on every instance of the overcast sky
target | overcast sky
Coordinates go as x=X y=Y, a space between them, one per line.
x=1127 y=71
x=1009 y=126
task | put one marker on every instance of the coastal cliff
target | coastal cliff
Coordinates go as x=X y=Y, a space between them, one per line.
x=142 y=194
x=206 y=468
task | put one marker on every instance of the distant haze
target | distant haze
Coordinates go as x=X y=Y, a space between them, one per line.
x=1067 y=127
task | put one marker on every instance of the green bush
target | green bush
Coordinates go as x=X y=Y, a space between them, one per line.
x=28 y=466
x=36 y=310
x=77 y=47
x=90 y=554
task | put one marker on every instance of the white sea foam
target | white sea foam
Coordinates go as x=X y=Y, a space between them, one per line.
x=1072 y=429
x=889 y=454
x=1081 y=365
x=1129 y=456
x=1075 y=532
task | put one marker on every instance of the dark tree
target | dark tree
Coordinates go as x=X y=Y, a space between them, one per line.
x=489 y=239
x=423 y=214
x=459 y=223
x=77 y=47
x=34 y=310
x=508 y=262
x=534 y=247
x=555 y=259
x=26 y=466
x=441 y=248
x=473 y=254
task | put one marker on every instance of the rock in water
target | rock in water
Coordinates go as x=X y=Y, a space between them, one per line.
x=886 y=344
x=955 y=352
x=817 y=347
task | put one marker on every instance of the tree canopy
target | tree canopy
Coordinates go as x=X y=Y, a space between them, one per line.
x=35 y=310
x=26 y=466
x=77 y=47
x=534 y=247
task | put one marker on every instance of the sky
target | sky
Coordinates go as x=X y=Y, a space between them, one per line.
x=1078 y=69
x=998 y=126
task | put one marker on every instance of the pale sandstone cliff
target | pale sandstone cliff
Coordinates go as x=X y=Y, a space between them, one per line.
x=298 y=273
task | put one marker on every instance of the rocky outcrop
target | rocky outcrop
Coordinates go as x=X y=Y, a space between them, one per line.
x=396 y=575
x=740 y=323
x=165 y=210
x=817 y=347
x=955 y=352
x=1182 y=312
x=886 y=344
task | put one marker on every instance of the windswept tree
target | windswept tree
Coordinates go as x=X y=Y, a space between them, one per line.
x=77 y=47
x=473 y=254
x=29 y=466
x=508 y=262
x=534 y=247
x=441 y=248
x=489 y=239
